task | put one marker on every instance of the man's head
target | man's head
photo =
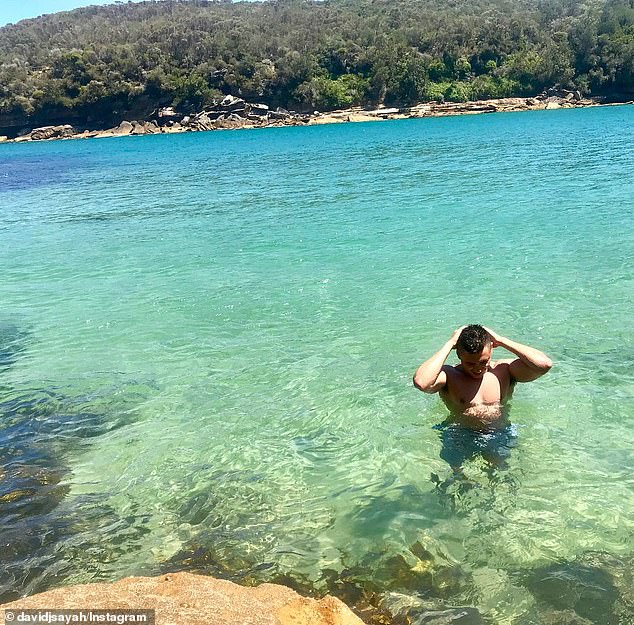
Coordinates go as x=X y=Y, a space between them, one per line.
x=474 y=348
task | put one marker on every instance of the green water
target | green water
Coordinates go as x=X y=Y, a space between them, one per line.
x=207 y=343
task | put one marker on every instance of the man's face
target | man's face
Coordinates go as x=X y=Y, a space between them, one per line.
x=476 y=365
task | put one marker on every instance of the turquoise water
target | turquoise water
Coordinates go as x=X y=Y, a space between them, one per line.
x=207 y=343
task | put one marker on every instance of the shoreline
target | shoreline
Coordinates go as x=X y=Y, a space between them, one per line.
x=229 y=117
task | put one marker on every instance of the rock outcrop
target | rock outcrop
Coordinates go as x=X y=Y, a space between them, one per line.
x=124 y=128
x=232 y=113
x=52 y=132
x=187 y=599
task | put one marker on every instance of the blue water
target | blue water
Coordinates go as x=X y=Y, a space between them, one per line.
x=207 y=342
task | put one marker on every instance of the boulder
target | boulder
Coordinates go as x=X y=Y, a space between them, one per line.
x=124 y=128
x=552 y=105
x=595 y=587
x=3 y=138
x=174 y=127
x=168 y=113
x=384 y=112
x=45 y=132
x=229 y=121
x=138 y=128
x=52 y=132
x=279 y=114
x=201 y=122
x=213 y=114
x=231 y=103
x=66 y=131
x=258 y=109
x=187 y=599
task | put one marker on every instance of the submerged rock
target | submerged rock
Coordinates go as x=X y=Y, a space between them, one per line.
x=187 y=599
x=13 y=342
x=596 y=587
x=43 y=536
x=415 y=610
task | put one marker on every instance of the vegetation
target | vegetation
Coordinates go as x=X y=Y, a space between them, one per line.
x=104 y=62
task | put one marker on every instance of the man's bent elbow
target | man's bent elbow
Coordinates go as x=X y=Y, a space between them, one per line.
x=422 y=386
x=545 y=365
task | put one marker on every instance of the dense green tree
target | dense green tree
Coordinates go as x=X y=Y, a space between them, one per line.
x=135 y=56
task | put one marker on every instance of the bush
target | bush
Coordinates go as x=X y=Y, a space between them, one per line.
x=459 y=92
x=435 y=91
x=327 y=94
x=490 y=87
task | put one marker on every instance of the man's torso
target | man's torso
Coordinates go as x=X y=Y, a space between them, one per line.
x=478 y=402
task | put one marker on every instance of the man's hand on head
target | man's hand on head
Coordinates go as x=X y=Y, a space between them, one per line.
x=496 y=339
x=456 y=335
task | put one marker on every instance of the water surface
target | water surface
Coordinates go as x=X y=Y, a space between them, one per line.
x=207 y=342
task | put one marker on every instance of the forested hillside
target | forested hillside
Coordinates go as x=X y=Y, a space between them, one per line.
x=100 y=63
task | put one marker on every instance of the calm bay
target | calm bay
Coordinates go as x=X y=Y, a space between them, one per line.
x=207 y=342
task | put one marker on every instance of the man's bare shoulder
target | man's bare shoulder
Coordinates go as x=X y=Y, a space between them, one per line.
x=452 y=369
x=501 y=368
x=504 y=363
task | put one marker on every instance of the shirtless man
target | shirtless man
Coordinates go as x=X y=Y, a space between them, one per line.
x=476 y=390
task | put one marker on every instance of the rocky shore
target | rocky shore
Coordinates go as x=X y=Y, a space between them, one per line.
x=234 y=113
x=187 y=599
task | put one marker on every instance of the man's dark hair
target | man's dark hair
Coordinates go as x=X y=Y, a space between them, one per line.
x=473 y=339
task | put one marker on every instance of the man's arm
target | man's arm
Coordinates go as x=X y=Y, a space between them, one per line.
x=530 y=363
x=429 y=377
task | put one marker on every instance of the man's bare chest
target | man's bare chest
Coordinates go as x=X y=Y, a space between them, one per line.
x=464 y=391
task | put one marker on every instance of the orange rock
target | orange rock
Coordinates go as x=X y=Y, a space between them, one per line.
x=187 y=599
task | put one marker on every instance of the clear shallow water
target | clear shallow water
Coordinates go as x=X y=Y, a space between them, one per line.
x=207 y=344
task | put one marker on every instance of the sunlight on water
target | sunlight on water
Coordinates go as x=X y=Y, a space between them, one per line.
x=207 y=343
